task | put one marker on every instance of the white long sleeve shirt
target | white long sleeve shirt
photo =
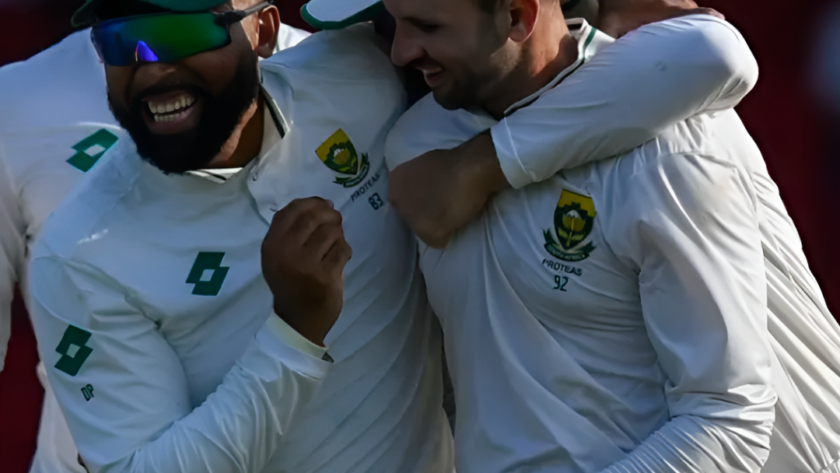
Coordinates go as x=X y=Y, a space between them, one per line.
x=147 y=297
x=658 y=75
x=584 y=315
x=55 y=125
x=11 y=253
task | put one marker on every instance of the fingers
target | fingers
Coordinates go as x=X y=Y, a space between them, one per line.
x=289 y=215
x=310 y=232
x=297 y=221
x=338 y=255
x=323 y=239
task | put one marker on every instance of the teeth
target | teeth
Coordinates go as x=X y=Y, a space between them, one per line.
x=168 y=118
x=161 y=108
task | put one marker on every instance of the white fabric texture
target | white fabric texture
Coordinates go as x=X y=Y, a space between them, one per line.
x=11 y=253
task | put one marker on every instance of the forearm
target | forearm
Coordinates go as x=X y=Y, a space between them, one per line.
x=126 y=396
x=240 y=425
x=625 y=96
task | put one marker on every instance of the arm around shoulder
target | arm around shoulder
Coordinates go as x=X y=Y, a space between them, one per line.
x=626 y=95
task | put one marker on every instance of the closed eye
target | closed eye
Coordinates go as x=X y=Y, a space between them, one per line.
x=425 y=26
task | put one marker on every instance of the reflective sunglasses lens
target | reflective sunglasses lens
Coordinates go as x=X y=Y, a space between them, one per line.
x=158 y=38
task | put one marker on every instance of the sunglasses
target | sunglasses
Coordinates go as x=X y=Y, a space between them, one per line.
x=165 y=37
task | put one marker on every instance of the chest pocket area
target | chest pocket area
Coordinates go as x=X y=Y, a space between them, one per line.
x=557 y=261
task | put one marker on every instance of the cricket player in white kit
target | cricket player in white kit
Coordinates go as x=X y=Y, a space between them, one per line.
x=54 y=128
x=602 y=206
x=147 y=289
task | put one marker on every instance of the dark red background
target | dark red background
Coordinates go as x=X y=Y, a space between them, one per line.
x=782 y=114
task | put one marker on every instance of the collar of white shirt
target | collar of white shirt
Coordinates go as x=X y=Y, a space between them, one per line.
x=590 y=41
x=272 y=134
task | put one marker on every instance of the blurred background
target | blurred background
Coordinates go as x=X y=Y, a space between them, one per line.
x=793 y=114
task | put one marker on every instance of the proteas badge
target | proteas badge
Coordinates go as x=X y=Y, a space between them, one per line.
x=573 y=220
x=339 y=154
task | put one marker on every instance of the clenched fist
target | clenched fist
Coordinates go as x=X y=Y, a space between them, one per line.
x=303 y=259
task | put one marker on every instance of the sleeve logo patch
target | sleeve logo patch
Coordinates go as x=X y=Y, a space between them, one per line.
x=73 y=350
x=90 y=149
x=208 y=274
x=339 y=154
x=574 y=217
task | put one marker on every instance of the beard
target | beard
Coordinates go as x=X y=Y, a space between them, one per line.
x=194 y=149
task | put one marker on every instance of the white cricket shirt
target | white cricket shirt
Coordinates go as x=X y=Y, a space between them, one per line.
x=54 y=126
x=163 y=273
x=612 y=317
x=614 y=103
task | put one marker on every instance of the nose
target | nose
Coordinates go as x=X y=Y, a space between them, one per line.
x=405 y=49
x=148 y=74
x=153 y=72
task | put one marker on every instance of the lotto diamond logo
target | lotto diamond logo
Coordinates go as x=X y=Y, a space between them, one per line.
x=207 y=274
x=90 y=149
x=73 y=350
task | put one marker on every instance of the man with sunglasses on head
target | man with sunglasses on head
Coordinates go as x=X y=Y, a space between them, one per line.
x=55 y=125
x=170 y=342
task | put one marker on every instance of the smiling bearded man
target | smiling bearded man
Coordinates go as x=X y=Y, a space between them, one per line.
x=45 y=150
x=187 y=296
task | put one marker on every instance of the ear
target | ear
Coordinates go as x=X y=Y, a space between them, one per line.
x=268 y=25
x=523 y=19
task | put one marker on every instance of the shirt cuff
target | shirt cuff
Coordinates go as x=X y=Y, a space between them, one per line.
x=287 y=346
x=512 y=168
x=291 y=337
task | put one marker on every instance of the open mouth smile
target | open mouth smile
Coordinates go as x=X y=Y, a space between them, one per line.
x=170 y=113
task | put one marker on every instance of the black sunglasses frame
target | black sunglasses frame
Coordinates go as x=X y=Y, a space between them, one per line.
x=224 y=19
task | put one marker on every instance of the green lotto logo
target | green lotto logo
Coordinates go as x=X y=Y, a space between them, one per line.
x=73 y=350
x=207 y=274
x=90 y=149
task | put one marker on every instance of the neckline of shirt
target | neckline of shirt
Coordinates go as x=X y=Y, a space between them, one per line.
x=271 y=137
x=590 y=41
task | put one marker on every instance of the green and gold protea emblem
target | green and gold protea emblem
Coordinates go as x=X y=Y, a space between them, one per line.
x=573 y=220
x=339 y=154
